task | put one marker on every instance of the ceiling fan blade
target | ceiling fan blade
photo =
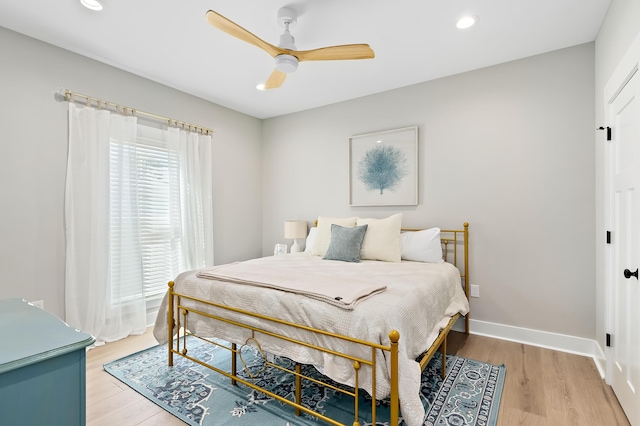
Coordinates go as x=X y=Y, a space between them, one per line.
x=231 y=28
x=347 y=51
x=275 y=80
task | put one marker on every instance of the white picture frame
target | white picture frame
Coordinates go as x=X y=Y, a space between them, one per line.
x=383 y=168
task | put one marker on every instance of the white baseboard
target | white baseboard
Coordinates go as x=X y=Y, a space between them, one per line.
x=543 y=339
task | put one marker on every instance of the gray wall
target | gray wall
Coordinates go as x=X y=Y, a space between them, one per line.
x=507 y=148
x=34 y=150
x=620 y=27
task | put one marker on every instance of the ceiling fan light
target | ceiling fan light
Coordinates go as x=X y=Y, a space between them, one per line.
x=466 y=22
x=92 y=4
x=286 y=63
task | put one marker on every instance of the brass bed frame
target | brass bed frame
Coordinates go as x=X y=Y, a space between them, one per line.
x=178 y=324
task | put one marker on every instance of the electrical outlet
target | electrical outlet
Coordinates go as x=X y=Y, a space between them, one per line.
x=38 y=304
x=475 y=290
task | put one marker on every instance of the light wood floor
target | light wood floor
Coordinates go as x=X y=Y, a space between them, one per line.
x=542 y=387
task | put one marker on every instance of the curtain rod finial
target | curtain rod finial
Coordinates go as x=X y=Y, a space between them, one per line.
x=60 y=95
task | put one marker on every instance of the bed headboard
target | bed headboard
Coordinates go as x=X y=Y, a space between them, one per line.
x=455 y=245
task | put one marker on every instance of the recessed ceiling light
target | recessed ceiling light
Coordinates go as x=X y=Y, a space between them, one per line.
x=466 y=22
x=92 y=4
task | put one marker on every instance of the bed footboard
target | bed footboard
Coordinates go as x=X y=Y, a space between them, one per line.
x=178 y=317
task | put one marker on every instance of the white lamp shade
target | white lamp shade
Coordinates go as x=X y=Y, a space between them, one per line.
x=294 y=229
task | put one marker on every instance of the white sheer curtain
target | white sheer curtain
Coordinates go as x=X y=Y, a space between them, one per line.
x=92 y=303
x=118 y=255
x=196 y=205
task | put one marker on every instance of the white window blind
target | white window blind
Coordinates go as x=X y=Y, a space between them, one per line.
x=146 y=243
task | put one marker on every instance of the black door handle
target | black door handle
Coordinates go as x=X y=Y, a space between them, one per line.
x=628 y=274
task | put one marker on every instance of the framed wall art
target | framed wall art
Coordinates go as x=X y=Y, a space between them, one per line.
x=383 y=168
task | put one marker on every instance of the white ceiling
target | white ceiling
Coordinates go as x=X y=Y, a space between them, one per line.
x=170 y=42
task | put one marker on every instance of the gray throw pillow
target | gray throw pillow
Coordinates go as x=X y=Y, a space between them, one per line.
x=345 y=243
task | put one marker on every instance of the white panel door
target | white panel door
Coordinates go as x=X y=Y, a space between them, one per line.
x=624 y=292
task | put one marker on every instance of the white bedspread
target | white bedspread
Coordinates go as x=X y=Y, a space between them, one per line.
x=418 y=302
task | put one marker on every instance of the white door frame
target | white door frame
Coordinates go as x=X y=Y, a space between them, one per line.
x=626 y=69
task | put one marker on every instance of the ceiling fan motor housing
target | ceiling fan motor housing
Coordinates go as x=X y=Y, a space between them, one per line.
x=287 y=41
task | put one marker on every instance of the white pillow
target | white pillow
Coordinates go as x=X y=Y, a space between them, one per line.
x=310 y=239
x=422 y=246
x=382 y=239
x=323 y=235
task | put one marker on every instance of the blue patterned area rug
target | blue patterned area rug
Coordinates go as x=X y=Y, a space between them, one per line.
x=469 y=395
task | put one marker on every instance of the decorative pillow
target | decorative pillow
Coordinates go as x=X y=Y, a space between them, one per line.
x=382 y=240
x=422 y=246
x=323 y=235
x=345 y=243
x=310 y=239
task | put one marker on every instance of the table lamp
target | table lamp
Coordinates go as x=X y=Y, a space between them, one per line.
x=294 y=230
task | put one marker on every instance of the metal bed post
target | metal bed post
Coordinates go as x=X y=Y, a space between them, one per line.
x=466 y=273
x=443 y=350
x=170 y=324
x=394 y=336
x=234 y=370
x=298 y=388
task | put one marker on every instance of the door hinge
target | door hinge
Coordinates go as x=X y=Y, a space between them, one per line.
x=608 y=343
x=608 y=131
x=608 y=237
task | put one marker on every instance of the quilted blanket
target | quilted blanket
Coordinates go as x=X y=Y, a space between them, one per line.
x=296 y=274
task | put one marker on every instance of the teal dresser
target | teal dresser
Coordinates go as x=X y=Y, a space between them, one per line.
x=42 y=367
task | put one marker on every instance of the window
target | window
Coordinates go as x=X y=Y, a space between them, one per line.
x=146 y=242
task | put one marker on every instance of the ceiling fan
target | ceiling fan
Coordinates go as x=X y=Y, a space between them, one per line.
x=285 y=54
